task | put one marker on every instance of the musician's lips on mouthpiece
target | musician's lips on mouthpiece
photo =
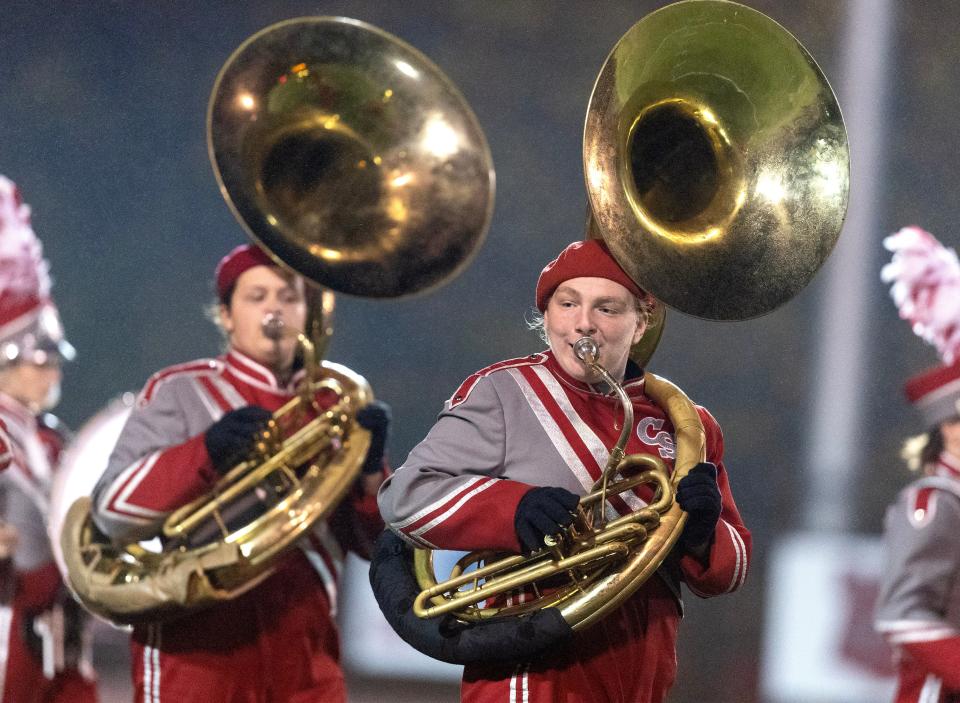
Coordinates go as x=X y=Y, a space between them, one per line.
x=586 y=350
x=272 y=326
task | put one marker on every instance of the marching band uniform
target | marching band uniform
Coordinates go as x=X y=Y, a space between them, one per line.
x=44 y=651
x=276 y=642
x=526 y=422
x=46 y=643
x=918 y=607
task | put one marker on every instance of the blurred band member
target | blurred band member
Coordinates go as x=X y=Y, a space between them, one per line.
x=44 y=653
x=918 y=610
x=518 y=444
x=192 y=423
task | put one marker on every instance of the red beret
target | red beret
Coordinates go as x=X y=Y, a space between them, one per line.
x=244 y=257
x=589 y=258
x=936 y=393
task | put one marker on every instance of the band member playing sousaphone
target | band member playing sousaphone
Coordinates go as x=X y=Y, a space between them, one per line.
x=353 y=160
x=520 y=441
x=695 y=113
x=44 y=647
x=192 y=424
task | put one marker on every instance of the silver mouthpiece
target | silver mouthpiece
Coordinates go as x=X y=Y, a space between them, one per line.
x=586 y=350
x=273 y=326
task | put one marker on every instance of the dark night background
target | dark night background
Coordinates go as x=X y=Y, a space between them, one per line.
x=102 y=124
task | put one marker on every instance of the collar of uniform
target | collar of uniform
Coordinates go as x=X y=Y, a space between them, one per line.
x=633 y=381
x=13 y=408
x=948 y=465
x=258 y=375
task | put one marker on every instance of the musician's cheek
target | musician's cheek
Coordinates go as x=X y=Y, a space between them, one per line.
x=950 y=431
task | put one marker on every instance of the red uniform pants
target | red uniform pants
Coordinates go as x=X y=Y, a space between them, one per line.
x=23 y=677
x=274 y=644
x=628 y=657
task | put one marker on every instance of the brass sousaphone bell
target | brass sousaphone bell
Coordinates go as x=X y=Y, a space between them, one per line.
x=717 y=168
x=351 y=159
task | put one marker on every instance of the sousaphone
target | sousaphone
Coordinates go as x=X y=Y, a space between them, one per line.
x=717 y=168
x=351 y=159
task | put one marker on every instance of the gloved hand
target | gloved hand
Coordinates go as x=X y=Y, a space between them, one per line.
x=231 y=438
x=375 y=417
x=699 y=495
x=543 y=511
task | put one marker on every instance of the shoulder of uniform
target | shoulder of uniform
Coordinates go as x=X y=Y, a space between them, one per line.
x=710 y=424
x=189 y=369
x=465 y=388
x=712 y=432
x=923 y=499
x=921 y=504
x=706 y=416
x=53 y=424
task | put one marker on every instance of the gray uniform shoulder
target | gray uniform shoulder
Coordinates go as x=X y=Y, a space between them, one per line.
x=469 y=439
x=928 y=501
x=495 y=373
x=170 y=409
x=918 y=583
x=177 y=376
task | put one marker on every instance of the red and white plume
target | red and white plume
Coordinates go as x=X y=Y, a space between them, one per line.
x=926 y=288
x=24 y=273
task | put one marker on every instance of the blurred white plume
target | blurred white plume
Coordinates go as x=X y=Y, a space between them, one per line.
x=926 y=288
x=24 y=273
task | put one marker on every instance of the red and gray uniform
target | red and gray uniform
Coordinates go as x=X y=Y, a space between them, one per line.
x=277 y=642
x=918 y=609
x=42 y=655
x=523 y=423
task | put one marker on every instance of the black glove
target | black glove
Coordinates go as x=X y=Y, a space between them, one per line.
x=699 y=495
x=231 y=438
x=375 y=417
x=543 y=511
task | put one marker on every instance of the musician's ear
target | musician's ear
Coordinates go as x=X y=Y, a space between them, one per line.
x=225 y=318
x=641 y=328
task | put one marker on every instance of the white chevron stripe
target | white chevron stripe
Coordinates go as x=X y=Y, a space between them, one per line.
x=426 y=527
x=931 y=690
x=138 y=471
x=740 y=568
x=437 y=504
x=229 y=393
x=556 y=436
x=596 y=447
x=6 y=618
x=328 y=579
x=553 y=431
x=925 y=635
x=210 y=404
x=898 y=631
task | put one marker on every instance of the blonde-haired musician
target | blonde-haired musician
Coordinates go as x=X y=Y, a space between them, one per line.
x=918 y=607
x=516 y=445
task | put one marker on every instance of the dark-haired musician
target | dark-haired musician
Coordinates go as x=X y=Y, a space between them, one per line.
x=521 y=440
x=44 y=654
x=192 y=423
